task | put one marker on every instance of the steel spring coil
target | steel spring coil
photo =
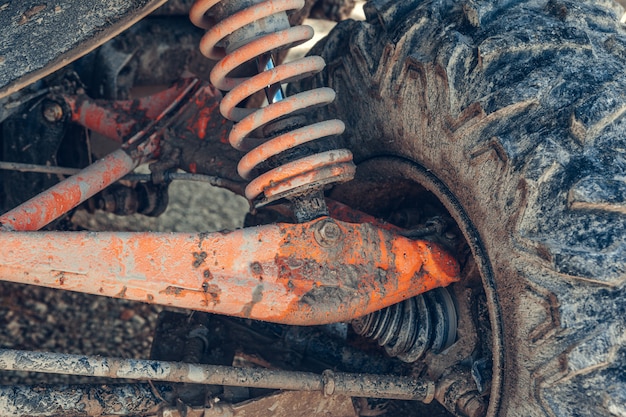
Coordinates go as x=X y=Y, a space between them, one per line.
x=238 y=33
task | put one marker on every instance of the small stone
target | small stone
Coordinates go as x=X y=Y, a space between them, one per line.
x=127 y=314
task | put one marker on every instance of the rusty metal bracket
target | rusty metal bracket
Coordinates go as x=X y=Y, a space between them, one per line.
x=140 y=145
x=196 y=141
x=318 y=272
x=119 y=120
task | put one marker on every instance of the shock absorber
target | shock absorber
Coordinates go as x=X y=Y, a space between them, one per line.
x=409 y=329
x=286 y=158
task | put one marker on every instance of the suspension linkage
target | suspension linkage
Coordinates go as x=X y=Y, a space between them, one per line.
x=322 y=271
x=141 y=143
x=329 y=382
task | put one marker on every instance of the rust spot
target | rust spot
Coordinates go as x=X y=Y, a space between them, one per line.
x=127 y=314
x=212 y=293
x=201 y=237
x=257 y=296
x=150 y=297
x=122 y=294
x=175 y=291
x=30 y=13
x=199 y=258
x=256 y=269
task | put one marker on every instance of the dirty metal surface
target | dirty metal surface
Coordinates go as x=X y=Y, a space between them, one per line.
x=82 y=400
x=62 y=197
x=195 y=141
x=40 y=37
x=119 y=119
x=329 y=382
x=154 y=400
x=157 y=113
x=227 y=339
x=280 y=404
x=290 y=404
x=312 y=273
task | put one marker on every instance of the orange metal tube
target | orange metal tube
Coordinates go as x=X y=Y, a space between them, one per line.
x=319 y=272
x=69 y=193
x=117 y=120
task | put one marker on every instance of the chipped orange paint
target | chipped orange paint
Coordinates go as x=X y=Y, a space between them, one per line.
x=118 y=119
x=69 y=193
x=277 y=273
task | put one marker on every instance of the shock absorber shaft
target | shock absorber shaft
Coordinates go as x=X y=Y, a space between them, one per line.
x=311 y=205
x=286 y=157
x=274 y=92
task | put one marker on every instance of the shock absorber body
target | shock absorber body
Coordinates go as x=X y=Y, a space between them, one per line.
x=286 y=157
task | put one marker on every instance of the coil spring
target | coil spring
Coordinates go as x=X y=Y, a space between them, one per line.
x=240 y=31
x=409 y=329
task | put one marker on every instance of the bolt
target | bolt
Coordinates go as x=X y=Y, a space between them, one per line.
x=456 y=391
x=52 y=111
x=196 y=344
x=328 y=381
x=474 y=406
x=327 y=233
x=330 y=231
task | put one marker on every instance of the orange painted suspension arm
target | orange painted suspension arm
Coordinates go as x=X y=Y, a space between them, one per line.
x=318 y=272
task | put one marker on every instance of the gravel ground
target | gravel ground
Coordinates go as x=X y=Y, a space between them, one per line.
x=35 y=318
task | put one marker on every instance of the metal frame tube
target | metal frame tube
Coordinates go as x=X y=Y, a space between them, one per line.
x=69 y=193
x=320 y=272
x=361 y=385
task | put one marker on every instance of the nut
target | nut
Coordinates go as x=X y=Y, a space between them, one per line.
x=52 y=111
x=327 y=233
